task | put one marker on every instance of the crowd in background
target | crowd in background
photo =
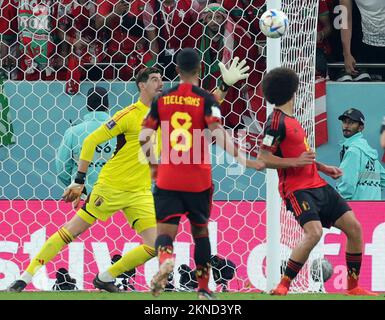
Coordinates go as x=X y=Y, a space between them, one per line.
x=112 y=39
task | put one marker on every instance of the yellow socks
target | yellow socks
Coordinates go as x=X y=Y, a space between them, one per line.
x=49 y=250
x=130 y=260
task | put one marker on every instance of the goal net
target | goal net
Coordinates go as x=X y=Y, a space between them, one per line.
x=53 y=52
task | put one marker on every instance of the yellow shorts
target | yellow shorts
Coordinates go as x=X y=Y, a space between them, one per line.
x=103 y=202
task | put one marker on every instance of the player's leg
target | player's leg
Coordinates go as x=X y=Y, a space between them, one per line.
x=139 y=211
x=198 y=205
x=299 y=255
x=202 y=256
x=165 y=249
x=305 y=207
x=169 y=208
x=72 y=229
x=129 y=261
x=349 y=224
x=141 y=218
x=343 y=218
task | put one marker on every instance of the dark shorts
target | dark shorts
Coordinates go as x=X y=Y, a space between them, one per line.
x=171 y=205
x=322 y=204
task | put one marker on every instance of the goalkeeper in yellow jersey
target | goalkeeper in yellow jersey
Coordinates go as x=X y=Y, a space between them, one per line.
x=124 y=184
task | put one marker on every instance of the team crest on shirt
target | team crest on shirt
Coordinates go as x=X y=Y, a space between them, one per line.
x=268 y=140
x=305 y=205
x=110 y=124
x=98 y=201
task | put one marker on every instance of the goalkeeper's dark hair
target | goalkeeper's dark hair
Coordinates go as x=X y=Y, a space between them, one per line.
x=279 y=85
x=144 y=74
x=188 y=61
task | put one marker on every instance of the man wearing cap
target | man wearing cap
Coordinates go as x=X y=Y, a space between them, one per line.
x=69 y=149
x=363 y=175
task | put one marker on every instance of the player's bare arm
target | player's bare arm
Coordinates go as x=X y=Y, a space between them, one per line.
x=225 y=141
x=330 y=171
x=273 y=162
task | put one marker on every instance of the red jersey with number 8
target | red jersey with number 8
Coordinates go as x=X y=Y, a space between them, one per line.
x=183 y=113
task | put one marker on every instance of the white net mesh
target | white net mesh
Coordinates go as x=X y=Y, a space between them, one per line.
x=53 y=52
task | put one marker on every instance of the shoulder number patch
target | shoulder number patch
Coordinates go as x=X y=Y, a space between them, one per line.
x=268 y=140
x=110 y=124
x=215 y=112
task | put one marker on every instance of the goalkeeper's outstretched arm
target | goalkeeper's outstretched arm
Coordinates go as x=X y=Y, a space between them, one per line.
x=236 y=72
x=73 y=192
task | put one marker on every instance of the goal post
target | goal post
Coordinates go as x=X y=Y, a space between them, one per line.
x=273 y=199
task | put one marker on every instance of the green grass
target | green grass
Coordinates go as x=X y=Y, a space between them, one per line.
x=170 y=296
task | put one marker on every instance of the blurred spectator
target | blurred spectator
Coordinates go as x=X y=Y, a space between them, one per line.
x=364 y=176
x=199 y=5
x=168 y=26
x=219 y=39
x=324 y=30
x=246 y=13
x=373 y=42
x=8 y=36
x=37 y=26
x=77 y=27
x=69 y=149
x=120 y=24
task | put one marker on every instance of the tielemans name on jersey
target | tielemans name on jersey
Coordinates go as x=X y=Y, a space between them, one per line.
x=182 y=100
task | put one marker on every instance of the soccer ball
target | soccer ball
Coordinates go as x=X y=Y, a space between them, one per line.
x=274 y=23
x=327 y=269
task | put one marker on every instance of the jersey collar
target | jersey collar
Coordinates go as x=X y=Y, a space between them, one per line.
x=141 y=105
x=96 y=115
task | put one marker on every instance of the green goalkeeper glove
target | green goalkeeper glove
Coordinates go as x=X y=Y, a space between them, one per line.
x=236 y=72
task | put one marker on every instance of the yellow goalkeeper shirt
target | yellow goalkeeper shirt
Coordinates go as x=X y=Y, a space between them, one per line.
x=127 y=169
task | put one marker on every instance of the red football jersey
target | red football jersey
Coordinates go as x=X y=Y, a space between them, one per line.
x=285 y=138
x=120 y=40
x=183 y=112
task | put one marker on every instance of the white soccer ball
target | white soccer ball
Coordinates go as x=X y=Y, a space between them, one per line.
x=327 y=269
x=274 y=23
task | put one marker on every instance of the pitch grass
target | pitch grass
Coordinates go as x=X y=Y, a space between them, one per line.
x=81 y=295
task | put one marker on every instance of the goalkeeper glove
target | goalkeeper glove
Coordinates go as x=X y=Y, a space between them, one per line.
x=236 y=72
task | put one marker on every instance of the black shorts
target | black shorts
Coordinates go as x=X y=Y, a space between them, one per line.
x=322 y=204
x=171 y=205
